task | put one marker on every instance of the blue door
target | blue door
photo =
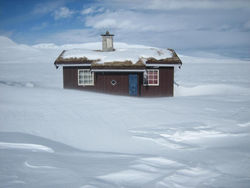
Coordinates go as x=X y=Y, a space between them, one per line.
x=133 y=80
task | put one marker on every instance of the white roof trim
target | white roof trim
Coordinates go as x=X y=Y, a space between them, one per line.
x=74 y=65
x=163 y=65
x=117 y=70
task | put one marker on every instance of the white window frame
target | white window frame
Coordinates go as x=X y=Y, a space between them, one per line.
x=85 y=84
x=158 y=77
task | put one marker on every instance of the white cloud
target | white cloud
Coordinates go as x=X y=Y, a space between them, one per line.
x=168 y=21
x=87 y=11
x=196 y=29
x=198 y=4
x=133 y=21
x=44 y=8
x=62 y=12
x=180 y=4
x=105 y=23
x=91 y=10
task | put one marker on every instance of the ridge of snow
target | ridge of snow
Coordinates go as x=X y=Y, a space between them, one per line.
x=26 y=163
x=33 y=147
x=5 y=41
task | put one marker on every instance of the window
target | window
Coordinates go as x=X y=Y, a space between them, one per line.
x=85 y=77
x=151 y=77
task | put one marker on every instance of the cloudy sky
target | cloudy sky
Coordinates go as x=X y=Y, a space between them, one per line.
x=189 y=26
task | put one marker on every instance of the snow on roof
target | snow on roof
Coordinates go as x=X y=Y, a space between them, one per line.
x=123 y=52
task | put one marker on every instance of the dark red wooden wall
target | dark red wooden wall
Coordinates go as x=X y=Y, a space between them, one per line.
x=166 y=83
x=103 y=82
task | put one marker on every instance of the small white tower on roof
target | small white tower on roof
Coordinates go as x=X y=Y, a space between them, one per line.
x=107 y=42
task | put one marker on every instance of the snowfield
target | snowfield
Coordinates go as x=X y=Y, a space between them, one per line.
x=51 y=137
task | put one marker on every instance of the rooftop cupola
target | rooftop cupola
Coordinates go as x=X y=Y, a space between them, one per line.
x=107 y=42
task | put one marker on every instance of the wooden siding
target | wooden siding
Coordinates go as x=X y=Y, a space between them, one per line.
x=102 y=81
x=103 y=84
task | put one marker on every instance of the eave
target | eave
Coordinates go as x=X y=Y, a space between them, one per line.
x=83 y=61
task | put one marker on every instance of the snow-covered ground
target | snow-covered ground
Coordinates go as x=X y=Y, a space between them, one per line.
x=51 y=137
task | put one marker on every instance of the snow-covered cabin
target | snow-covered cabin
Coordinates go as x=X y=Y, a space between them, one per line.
x=126 y=70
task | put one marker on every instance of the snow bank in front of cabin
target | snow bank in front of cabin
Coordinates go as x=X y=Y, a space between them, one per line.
x=122 y=53
x=210 y=89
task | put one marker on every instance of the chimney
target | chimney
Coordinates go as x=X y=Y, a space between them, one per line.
x=107 y=42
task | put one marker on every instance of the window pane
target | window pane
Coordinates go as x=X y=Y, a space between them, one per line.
x=85 y=77
x=152 y=77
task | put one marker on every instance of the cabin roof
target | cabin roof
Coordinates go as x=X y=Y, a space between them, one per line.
x=129 y=56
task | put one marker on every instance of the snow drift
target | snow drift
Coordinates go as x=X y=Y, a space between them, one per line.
x=191 y=140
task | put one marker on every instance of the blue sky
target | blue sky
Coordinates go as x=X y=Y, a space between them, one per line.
x=189 y=26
